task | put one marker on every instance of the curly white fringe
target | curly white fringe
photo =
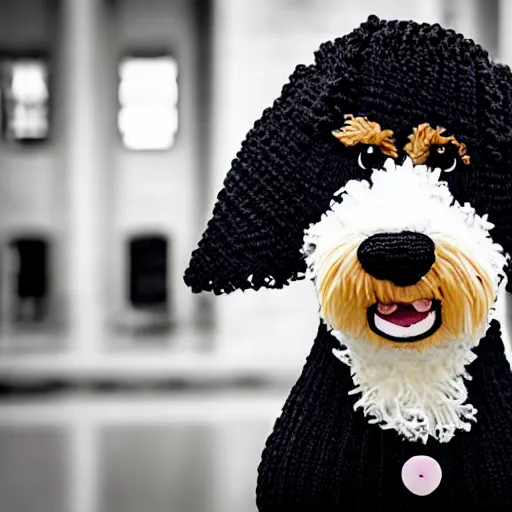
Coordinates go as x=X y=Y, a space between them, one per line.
x=417 y=393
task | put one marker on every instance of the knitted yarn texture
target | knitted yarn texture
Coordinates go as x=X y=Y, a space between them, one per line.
x=409 y=91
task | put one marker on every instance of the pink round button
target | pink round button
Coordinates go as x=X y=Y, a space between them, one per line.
x=421 y=475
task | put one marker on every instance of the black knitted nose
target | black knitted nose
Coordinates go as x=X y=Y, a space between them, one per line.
x=403 y=258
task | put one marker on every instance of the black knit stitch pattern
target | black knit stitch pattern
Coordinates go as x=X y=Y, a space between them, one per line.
x=398 y=73
x=324 y=457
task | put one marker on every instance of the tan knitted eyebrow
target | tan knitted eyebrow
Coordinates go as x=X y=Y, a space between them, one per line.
x=360 y=130
x=424 y=136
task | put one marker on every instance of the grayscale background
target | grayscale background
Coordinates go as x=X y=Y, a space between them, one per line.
x=121 y=391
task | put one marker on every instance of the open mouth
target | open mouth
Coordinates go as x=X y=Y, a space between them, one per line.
x=405 y=322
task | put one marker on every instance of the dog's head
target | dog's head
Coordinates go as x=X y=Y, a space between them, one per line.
x=384 y=172
x=396 y=259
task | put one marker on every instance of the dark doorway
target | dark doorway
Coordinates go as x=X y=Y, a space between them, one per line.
x=31 y=279
x=148 y=272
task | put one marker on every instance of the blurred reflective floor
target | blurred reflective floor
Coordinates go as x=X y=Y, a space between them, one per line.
x=150 y=421
x=186 y=452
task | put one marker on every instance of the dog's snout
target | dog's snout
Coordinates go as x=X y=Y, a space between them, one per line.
x=403 y=258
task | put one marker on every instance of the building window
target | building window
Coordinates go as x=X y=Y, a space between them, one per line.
x=31 y=280
x=148 y=272
x=25 y=94
x=148 y=99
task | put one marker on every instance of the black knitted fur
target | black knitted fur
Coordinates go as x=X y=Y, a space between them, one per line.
x=322 y=456
x=289 y=166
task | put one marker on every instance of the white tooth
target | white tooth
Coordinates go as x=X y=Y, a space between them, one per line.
x=386 y=309
x=398 y=331
x=422 y=305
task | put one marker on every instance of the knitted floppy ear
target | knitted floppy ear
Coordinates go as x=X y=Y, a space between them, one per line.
x=282 y=179
x=247 y=241
x=495 y=185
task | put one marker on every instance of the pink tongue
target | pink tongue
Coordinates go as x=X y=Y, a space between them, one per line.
x=404 y=315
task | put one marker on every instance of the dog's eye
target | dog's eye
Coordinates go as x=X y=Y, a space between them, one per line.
x=444 y=157
x=371 y=157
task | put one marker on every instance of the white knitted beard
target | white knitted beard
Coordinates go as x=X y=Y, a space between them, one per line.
x=418 y=393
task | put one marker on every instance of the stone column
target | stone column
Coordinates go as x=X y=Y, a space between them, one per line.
x=84 y=174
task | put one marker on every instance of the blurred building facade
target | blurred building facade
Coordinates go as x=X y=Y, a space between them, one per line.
x=119 y=121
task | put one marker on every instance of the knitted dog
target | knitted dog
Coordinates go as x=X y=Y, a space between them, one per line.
x=383 y=173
